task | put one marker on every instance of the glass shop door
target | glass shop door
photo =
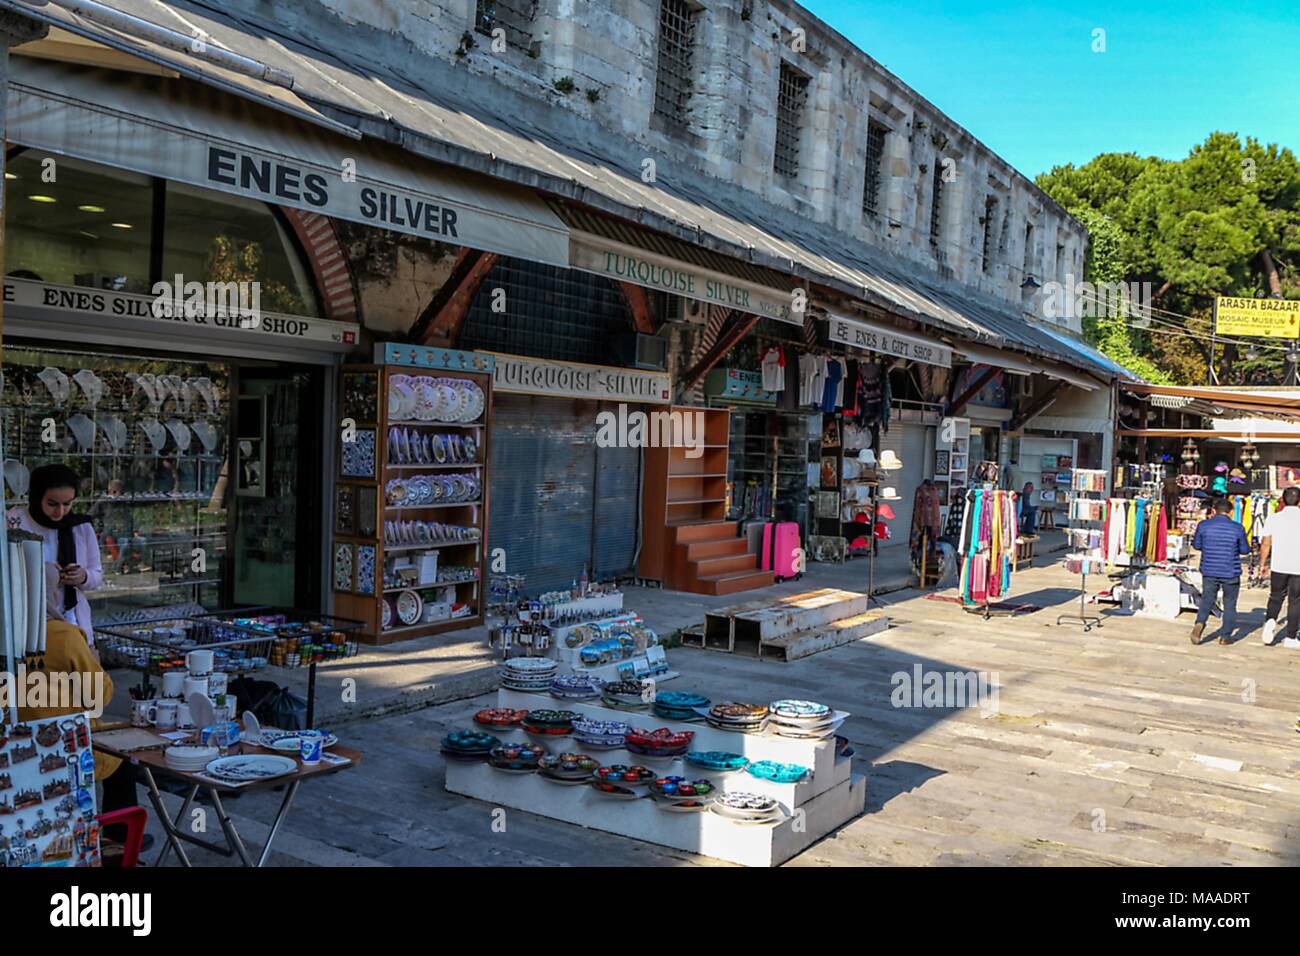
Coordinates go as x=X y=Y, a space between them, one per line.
x=275 y=467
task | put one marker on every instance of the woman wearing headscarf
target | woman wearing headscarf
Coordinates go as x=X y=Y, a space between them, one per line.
x=70 y=542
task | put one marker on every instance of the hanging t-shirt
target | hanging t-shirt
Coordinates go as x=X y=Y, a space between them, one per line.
x=831 y=389
x=773 y=366
x=788 y=400
x=1284 y=528
x=810 y=377
x=869 y=393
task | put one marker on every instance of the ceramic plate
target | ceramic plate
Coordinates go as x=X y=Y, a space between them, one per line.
x=448 y=403
x=564 y=781
x=409 y=607
x=669 y=806
x=427 y=401
x=289 y=741
x=251 y=767
x=619 y=793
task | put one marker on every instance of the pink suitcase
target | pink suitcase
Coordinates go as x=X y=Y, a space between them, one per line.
x=781 y=552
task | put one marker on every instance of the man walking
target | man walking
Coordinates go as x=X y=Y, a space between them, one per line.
x=1222 y=542
x=1280 y=556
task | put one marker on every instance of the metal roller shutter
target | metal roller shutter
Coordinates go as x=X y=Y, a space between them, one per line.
x=907 y=441
x=618 y=504
x=541 y=509
x=559 y=501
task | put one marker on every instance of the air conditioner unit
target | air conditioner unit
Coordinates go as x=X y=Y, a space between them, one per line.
x=694 y=311
x=641 y=351
x=675 y=308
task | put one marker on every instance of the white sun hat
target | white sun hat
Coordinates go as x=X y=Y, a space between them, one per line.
x=889 y=461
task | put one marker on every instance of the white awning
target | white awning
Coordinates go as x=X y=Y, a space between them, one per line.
x=874 y=337
x=1023 y=365
x=180 y=130
x=1007 y=361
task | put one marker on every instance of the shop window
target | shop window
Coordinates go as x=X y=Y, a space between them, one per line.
x=936 y=204
x=792 y=95
x=88 y=226
x=990 y=214
x=876 y=134
x=212 y=237
x=674 y=79
x=146 y=435
x=547 y=312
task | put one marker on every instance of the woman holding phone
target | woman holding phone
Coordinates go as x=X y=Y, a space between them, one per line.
x=70 y=542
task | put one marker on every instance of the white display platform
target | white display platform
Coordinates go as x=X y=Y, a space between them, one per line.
x=705 y=833
x=831 y=797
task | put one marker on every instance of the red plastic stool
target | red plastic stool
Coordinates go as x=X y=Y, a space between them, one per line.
x=135 y=819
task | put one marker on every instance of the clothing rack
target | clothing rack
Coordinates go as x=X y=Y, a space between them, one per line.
x=987 y=545
x=1084 y=482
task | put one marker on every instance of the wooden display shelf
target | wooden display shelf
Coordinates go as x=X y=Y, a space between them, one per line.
x=447 y=504
x=368 y=607
x=689 y=543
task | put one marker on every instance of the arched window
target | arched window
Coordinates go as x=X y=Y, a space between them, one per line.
x=70 y=222
x=213 y=237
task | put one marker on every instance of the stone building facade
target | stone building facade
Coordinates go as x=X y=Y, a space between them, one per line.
x=758 y=94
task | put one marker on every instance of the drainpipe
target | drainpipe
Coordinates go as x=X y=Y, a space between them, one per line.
x=197 y=45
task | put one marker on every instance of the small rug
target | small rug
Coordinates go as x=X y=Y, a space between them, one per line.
x=1000 y=606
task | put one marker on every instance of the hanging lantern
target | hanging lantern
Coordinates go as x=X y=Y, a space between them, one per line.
x=1249 y=454
x=1190 y=454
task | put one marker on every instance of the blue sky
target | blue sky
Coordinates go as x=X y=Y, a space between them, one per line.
x=1022 y=76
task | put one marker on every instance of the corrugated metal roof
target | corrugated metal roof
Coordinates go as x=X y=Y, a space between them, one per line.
x=449 y=116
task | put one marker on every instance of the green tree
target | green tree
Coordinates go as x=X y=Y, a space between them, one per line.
x=1222 y=221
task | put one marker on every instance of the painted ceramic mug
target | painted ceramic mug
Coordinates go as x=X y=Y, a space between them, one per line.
x=173 y=682
x=166 y=714
x=199 y=663
x=143 y=712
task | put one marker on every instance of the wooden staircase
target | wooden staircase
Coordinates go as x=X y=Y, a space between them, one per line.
x=688 y=544
x=709 y=558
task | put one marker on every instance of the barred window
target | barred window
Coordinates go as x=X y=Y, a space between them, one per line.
x=792 y=94
x=673 y=81
x=515 y=17
x=936 y=202
x=876 y=134
x=990 y=214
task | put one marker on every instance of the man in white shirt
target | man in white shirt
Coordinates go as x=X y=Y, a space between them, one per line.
x=1280 y=555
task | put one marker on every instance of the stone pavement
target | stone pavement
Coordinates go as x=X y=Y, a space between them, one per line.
x=427 y=671
x=1125 y=745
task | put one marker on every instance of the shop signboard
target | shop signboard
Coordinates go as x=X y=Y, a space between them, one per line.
x=229 y=147
x=623 y=263
x=738 y=384
x=426 y=356
x=871 y=337
x=532 y=376
x=27 y=298
x=1265 y=318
